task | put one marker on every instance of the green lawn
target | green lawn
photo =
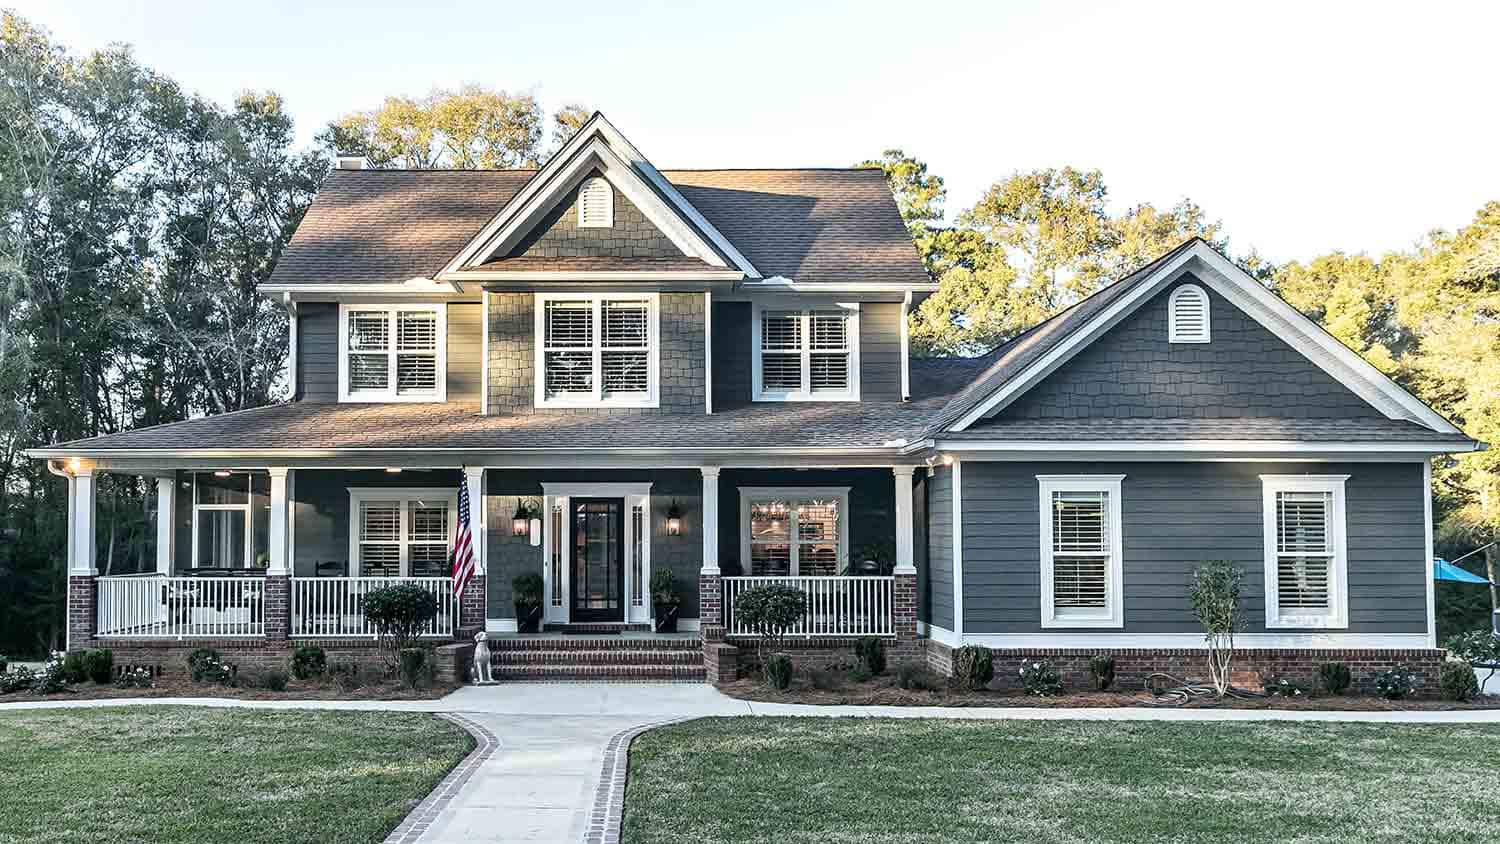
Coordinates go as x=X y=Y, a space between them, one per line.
x=731 y=780
x=180 y=774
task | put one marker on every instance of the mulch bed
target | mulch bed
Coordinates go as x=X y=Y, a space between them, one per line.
x=881 y=691
x=295 y=690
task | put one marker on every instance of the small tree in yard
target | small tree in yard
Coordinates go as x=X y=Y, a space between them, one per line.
x=399 y=613
x=770 y=611
x=1215 y=596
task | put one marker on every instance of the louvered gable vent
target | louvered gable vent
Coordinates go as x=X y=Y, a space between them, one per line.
x=1187 y=315
x=596 y=204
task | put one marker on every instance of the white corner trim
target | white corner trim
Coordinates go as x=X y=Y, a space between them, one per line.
x=1113 y=614
x=1183 y=641
x=291 y=354
x=1265 y=307
x=484 y=354
x=751 y=494
x=1175 y=332
x=597 y=398
x=440 y=394
x=1337 y=617
x=958 y=546
x=1427 y=573
x=806 y=394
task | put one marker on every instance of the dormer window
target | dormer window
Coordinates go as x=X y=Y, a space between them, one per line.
x=1187 y=315
x=806 y=354
x=596 y=204
x=392 y=353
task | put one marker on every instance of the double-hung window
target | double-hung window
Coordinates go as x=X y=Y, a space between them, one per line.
x=596 y=350
x=807 y=354
x=800 y=531
x=1306 y=563
x=401 y=532
x=392 y=353
x=1082 y=550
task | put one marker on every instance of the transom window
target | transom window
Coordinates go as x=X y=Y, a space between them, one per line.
x=1305 y=560
x=794 y=532
x=401 y=532
x=806 y=355
x=596 y=350
x=391 y=353
x=1081 y=550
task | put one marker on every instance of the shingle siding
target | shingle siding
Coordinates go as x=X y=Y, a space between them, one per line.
x=1176 y=516
x=682 y=382
x=1132 y=372
x=557 y=235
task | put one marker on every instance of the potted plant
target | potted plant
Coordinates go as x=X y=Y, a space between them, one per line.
x=526 y=591
x=664 y=600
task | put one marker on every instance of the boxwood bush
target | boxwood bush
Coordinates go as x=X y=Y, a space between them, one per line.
x=1456 y=681
x=974 y=666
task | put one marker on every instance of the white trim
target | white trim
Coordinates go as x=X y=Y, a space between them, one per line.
x=597 y=398
x=291 y=354
x=291 y=521
x=1221 y=275
x=484 y=354
x=410 y=287
x=632 y=495
x=403 y=495
x=1195 y=446
x=1184 y=641
x=83 y=541
x=390 y=394
x=1337 y=616
x=944 y=635
x=708 y=351
x=805 y=312
x=277 y=562
x=501 y=625
x=906 y=347
x=780 y=284
x=587 y=490
x=905 y=521
x=710 y=521
x=1175 y=334
x=478 y=519
x=1427 y=573
x=958 y=546
x=596 y=183
x=599 y=276
x=1113 y=614
x=166 y=524
x=248 y=509
x=751 y=494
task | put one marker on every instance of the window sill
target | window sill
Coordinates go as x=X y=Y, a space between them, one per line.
x=1306 y=623
x=805 y=397
x=1089 y=621
x=588 y=403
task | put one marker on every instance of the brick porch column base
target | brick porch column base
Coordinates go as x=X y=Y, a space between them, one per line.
x=276 y=608
x=83 y=593
x=471 y=608
x=710 y=601
x=904 y=618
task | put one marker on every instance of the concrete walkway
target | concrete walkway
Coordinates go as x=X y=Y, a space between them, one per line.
x=550 y=767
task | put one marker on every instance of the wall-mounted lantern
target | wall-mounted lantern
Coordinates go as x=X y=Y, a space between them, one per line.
x=674 y=519
x=520 y=524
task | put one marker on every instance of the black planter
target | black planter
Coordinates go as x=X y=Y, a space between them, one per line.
x=528 y=618
x=666 y=617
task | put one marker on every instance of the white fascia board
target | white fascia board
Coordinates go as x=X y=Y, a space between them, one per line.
x=430 y=287
x=1265 y=307
x=599 y=275
x=978 y=448
x=782 y=284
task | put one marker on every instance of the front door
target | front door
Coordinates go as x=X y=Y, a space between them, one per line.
x=598 y=559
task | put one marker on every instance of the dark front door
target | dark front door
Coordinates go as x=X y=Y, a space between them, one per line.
x=598 y=559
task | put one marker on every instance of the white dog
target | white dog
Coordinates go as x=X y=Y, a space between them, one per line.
x=482 y=675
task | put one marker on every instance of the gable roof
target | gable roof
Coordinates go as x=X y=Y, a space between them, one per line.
x=1034 y=355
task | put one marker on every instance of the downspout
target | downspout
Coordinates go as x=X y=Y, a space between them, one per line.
x=68 y=562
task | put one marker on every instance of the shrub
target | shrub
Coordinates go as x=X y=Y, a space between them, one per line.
x=135 y=678
x=869 y=653
x=413 y=667
x=914 y=677
x=974 y=666
x=205 y=666
x=99 y=664
x=526 y=594
x=74 y=669
x=54 y=676
x=1395 y=684
x=346 y=675
x=400 y=612
x=17 y=681
x=1477 y=647
x=4 y=663
x=1283 y=687
x=1334 y=677
x=309 y=662
x=860 y=674
x=272 y=679
x=1215 y=598
x=1102 y=669
x=1040 y=679
x=1457 y=682
x=778 y=670
x=769 y=611
x=825 y=679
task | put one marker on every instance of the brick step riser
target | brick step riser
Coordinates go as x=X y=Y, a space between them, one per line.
x=597 y=658
x=682 y=673
x=584 y=643
x=596 y=628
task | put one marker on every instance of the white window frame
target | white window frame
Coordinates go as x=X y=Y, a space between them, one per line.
x=597 y=397
x=608 y=220
x=1337 y=616
x=758 y=391
x=440 y=394
x=751 y=494
x=405 y=496
x=1113 y=614
x=248 y=508
x=1175 y=335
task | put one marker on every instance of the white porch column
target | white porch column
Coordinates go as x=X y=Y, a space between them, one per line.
x=905 y=555
x=474 y=479
x=166 y=524
x=710 y=520
x=81 y=563
x=279 y=566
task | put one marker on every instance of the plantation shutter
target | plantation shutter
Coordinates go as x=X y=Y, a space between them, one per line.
x=829 y=353
x=369 y=351
x=427 y=539
x=416 y=352
x=380 y=538
x=626 y=355
x=781 y=351
x=569 y=348
x=1304 y=550
x=1080 y=550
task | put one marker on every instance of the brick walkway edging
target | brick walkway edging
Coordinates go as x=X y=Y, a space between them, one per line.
x=609 y=797
x=426 y=814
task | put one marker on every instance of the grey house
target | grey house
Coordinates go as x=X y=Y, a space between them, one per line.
x=707 y=372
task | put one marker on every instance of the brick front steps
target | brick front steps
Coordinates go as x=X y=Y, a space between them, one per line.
x=629 y=658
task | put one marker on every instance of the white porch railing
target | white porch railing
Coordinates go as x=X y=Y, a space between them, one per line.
x=333 y=607
x=159 y=607
x=836 y=606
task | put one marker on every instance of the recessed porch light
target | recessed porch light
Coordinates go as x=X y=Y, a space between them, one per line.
x=221 y=473
x=393 y=470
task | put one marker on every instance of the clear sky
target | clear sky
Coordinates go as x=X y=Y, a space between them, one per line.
x=1303 y=126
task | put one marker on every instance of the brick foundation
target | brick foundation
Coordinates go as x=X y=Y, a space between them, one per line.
x=277 y=608
x=168 y=658
x=1132 y=666
x=721 y=662
x=82 y=595
x=710 y=601
x=471 y=608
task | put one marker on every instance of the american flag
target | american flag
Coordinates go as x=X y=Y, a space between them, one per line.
x=463 y=543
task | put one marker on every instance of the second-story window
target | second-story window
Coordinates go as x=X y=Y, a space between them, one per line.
x=596 y=350
x=391 y=353
x=807 y=354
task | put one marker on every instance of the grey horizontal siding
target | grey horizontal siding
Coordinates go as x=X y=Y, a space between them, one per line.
x=321 y=510
x=1176 y=516
x=880 y=351
x=940 y=546
x=731 y=354
x=318 y=351
x=465 y=350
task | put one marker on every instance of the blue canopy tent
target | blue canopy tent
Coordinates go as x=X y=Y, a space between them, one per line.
x=1444 y=570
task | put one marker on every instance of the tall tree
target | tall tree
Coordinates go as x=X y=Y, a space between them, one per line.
x=566 y=122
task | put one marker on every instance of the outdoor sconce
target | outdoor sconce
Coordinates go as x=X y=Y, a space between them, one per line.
x=520 y=524
x=674 y=519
